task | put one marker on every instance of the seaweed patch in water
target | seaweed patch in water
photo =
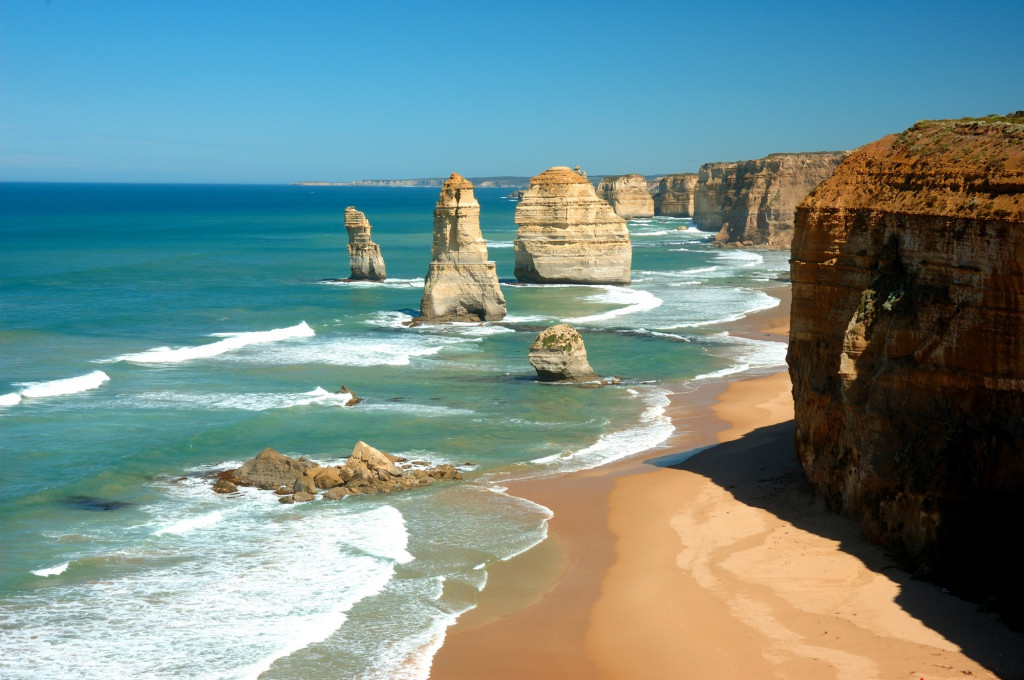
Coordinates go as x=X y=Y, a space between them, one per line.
x=93 y=504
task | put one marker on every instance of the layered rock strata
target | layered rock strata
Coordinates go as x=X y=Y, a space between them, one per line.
x=363 y=254
x=674 y=195
x=753 y=202
x=907 y=348
x=627 y=195
x=461 y=284
x=367 y=471
x=559 y=355
x=568 y=235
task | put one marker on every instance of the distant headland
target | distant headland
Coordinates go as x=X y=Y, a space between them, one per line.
x=488 y=182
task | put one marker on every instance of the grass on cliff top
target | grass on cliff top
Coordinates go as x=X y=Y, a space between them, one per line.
x=1015 y=118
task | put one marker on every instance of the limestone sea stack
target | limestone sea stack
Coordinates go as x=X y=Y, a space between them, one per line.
x=907 y=348
x=569 y=235
x=753 y=202
x=363 y=254
x=674 y=196
x=558 y=355
x=461 y=284
x=627 y=195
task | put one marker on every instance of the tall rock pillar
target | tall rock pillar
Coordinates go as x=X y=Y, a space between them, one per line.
x=461 y=284
x=363 y=254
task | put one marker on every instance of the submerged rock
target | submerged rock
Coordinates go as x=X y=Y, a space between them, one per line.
x=364 y=255
x=461 y=284
x=558 y=355
x=567 y=234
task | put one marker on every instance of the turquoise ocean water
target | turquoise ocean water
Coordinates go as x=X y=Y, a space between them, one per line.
x=151 y=334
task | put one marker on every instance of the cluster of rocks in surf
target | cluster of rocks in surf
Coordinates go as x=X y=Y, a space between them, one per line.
x=367 y=471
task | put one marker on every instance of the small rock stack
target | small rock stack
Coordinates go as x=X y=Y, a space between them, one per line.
x=558 y=355
x=363 y=254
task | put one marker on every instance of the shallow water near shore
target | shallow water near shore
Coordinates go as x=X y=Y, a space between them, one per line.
x=152 y=334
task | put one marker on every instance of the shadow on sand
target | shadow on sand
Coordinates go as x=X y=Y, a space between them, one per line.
x=760 y=470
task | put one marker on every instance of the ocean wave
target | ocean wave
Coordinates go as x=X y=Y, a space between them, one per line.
x=10 y=399
x=635 y=300
x=747 y=354
x=653 y=429
x=184 y=526
x=52 y=571
x=743 y=258
x=59 y=388
x=500 y=244
x=253 y=401
x=231 y=342
x=397 y=350
x=386 y=283
x=210 y=584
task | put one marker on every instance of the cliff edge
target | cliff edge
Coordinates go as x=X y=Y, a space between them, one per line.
x=907 y=348
x=627 y=195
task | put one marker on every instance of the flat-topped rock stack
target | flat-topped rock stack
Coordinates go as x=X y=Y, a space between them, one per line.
x=627 y=195
x=363 y=254
x=567 y=234
x=461 y=284
x=674 y=197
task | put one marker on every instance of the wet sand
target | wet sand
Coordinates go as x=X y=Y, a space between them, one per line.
x=710 y=558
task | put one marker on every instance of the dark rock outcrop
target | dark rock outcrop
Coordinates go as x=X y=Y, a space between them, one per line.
x=558 y=355
x=674 y=195
x=907 y=348
x=364 y=255
x=753 y=202
x=461 y=285
x=367 y=471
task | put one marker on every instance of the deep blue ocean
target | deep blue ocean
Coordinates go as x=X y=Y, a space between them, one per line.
x=150 y=334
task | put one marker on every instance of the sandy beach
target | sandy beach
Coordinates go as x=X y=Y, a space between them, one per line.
x=710 y=558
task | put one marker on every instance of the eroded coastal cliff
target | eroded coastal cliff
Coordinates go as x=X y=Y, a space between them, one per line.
x=567 y=234
x=907 y=348
x=674 y=195
x=627 y=195
x=753 y=202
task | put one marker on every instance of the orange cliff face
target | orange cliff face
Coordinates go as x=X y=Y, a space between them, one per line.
x=907 y=348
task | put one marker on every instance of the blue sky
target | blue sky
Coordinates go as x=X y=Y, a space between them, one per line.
x=275 y=92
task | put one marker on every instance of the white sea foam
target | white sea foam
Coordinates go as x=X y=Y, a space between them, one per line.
x=635 y=300
x=500 y=244
x=386 y=283
x=183 y=526
x=748 y=355
x=653 y=429
x=396 y=350
x=58 y=388
x=264 y=581
x=742 y=258
x=390 y=319
x=231 y=342
x=51 y=571
x=10 y=399
x=253 y=401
